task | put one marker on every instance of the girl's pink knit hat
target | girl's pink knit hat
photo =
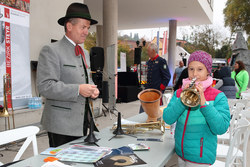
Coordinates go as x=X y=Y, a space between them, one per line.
x=202 y=57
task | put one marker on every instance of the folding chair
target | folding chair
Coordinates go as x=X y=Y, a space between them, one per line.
x=166 y=98
x=233 y=153
x=235 y=111
x=245 y=95
x=28 y=132
x=246 y=113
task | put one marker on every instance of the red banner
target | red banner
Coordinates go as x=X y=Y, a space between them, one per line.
x=8 y=61
x=7 y=13
x=165 y=42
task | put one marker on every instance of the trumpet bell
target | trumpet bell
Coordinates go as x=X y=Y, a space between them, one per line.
x=150 y=101
x=4 y=113
x=190 y=97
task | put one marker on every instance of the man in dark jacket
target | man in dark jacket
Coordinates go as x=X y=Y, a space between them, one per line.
x=158 y=74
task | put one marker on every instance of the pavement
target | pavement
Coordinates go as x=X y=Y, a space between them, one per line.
x=127 y=110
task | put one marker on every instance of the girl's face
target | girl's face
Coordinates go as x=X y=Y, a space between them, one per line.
x=197 y=70
x=236 y=66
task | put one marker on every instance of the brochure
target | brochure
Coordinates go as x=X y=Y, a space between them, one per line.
x=51 y=151
x=83 y=154
x=123 y=156
x=139 y=146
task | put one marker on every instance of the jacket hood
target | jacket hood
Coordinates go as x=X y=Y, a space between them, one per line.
x=225 y=72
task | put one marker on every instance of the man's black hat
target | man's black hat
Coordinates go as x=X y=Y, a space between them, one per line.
x=77 y=10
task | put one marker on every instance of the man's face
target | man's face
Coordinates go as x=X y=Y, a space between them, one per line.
x=78 y=31
x=151 y=52
x=181 y=64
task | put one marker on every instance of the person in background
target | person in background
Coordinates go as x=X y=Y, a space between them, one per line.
x=184 y=75
x=216 y=73
x=158 y=75
x=226 y=84
x=63 y=79
x=178 y=71
x=197 y=127
x=241 y=77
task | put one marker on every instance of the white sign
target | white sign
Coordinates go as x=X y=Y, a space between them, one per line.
x=123 y=62
x=14 y=51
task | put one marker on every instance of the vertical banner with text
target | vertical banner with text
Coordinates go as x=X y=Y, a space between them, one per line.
x=165 y=42
x=14 y=51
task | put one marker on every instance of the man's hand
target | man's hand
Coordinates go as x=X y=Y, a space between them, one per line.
x=95 y=94
x=88 y=90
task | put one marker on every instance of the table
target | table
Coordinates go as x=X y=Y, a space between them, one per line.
x=157 y=156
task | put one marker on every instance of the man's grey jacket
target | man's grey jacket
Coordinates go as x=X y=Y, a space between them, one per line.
x=59 y=74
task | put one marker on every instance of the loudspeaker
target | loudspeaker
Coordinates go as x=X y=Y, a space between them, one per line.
x=105 y=92
x=184 y=61
x=53 y=40
x=137 y=57
x=96 y=58
x=33 y=65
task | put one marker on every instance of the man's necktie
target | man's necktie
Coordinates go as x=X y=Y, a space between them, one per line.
x=78 y=50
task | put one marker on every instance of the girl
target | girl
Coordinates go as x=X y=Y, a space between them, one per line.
x=197 y=127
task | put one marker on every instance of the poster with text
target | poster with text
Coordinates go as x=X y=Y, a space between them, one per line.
x=14 y=50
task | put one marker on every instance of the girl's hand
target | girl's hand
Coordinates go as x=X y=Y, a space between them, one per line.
x=186 y=86
x=199 y=88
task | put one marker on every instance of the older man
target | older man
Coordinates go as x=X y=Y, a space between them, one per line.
x=158 y=74
x=63 y=79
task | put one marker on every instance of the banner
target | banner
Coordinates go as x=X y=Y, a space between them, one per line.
x=14 y=50
x=165 y=41
x=123 y=62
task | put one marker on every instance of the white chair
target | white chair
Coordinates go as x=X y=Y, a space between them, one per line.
x=166 y=98
x=246 y=113
x=235 y=111
x=245 y=95
x=28 y=132
x=233 y=152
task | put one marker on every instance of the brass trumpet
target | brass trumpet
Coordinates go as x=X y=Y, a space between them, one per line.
x=7 y=95
x=142 y=127
x=190 y=97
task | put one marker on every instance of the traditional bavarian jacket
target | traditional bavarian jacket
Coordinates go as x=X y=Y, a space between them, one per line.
x=60 y=72
x=197 y=127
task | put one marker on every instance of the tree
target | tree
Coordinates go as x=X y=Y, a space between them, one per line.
x=144 y=54
x=203 y=38
x=237 y=16
x=90 y=41
x=224 y=52
x=122 y=48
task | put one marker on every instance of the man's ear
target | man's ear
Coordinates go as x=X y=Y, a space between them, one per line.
x=69 y=26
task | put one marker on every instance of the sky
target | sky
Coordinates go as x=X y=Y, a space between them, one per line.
x=218 y=24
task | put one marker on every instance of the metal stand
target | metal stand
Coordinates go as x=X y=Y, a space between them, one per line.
x=110 y=75
x=111 y=111
x=118 y=130
x=90 y=139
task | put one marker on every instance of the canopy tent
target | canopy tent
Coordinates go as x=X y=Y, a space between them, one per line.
x=180 y=53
